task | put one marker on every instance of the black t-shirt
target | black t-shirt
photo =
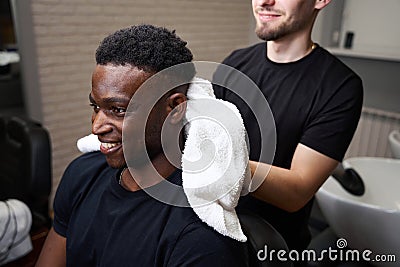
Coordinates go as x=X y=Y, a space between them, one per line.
x=315 y=101
x=106 y=225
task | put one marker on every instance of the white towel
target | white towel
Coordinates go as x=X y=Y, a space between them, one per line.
x=88 y=143
x=215 y=159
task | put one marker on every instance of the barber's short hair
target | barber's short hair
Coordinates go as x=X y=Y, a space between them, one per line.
x=146 y=47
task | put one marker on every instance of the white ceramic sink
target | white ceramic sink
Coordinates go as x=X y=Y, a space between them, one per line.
x=394 y=141
x=371 y=221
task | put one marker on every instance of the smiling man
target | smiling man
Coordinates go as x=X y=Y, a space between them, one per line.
x=102 y=216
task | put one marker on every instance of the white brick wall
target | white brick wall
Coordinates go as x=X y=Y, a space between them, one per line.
x=67 y=32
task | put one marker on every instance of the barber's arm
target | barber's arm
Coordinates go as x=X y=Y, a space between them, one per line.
x=53 y=253
x=290 y=189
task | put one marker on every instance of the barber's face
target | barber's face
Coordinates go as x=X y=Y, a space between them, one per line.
x=112 y=88
x=278 y=19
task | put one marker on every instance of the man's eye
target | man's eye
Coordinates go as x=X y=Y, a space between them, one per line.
x=95 y=107
x=119 y=111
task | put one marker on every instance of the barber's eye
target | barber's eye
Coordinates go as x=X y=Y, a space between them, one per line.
x=95 y=107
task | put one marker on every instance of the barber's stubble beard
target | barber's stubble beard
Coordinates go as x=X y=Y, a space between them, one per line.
x=267 y=34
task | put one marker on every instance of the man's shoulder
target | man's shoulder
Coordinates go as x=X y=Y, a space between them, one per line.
x=88 y=161
x=184 y=230
x=84 y=168
x=209 y=246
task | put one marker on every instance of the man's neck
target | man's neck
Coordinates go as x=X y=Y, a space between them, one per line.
x=136 y=178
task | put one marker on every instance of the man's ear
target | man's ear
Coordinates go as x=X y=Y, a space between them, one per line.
x=320 y=4
x=176 y=107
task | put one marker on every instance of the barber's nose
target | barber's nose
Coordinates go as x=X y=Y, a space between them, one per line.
x=264 y=2
x=100 y=124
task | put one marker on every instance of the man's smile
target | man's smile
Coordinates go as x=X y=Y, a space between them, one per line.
x=110 y=147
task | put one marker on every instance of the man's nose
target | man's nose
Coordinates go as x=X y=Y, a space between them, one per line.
x=100 y=124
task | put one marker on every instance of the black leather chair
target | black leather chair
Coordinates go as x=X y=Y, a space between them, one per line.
x=25 y=166
x=260 y=235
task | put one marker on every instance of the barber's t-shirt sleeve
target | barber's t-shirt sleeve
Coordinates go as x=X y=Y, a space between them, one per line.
x=331 y=130
x=203 y=246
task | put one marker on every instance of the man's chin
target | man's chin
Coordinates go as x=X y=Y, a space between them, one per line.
x=116 y=164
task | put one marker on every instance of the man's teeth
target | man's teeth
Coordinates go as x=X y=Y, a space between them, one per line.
x=110 y=145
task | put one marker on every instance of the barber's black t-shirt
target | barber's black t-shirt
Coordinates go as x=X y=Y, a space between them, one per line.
x=106 y=225
x=315 y=101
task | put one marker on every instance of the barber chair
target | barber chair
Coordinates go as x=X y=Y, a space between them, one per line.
x=262 y=238
x=25 y=166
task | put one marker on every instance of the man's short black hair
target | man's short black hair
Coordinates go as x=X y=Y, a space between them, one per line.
x=144 y=46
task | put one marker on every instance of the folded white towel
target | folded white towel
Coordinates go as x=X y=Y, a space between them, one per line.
x=215 y=159
x=88 y=143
